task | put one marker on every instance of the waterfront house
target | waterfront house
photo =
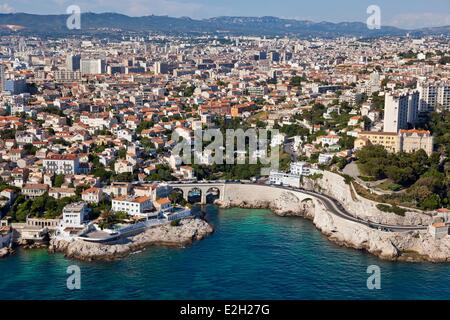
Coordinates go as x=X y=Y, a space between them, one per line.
x=286 y=179
x=132 y=205
x=162 y=204
x=35 y=229
x=75 y=215
x=186 y=172
x=443 y=213
x=438 y=230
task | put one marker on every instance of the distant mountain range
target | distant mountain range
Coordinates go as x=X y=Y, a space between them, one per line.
x=270 y=26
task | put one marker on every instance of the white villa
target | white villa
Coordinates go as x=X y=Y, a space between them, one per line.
x=134 y=206
x=75 y=215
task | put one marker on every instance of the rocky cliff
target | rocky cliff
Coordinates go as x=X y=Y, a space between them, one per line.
x=188 y=231
x=406 y=246
x=282 y=202
x=334 y=185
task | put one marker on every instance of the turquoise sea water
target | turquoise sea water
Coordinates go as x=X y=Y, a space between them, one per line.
x=252 y=255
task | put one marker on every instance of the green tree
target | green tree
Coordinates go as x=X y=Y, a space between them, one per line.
x=59 y=180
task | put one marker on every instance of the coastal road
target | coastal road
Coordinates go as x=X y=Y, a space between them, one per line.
x=332 y=205
x=336 y=208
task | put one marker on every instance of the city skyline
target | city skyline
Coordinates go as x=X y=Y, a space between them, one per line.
x=416 y=14
x=277 y=151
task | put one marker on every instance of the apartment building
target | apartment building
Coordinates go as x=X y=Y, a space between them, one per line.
x=132 y=205
x=400 y=108
x=2 y=78
x=403 y=141
x=34 y=190
x=73 y=62
x=92 y=66
x=434 y=95
x=62 y=164
x=389 y=140
x=67 y=76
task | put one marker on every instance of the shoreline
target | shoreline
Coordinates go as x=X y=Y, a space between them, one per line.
x=189 y=230
x=400 y=245
x=408 y=246
x=196 y=229
x=401 y=257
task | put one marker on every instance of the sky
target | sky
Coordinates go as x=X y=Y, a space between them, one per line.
x=407 y=14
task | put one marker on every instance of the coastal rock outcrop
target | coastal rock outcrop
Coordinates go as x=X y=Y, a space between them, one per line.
x=335 y=186
x=405 y=246
x=282 y=203
x=185 y=233
x=4 y=252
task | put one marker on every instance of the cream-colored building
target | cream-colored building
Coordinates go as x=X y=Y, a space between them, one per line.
x=414 y=140
x=389 y=140
x=405 y=141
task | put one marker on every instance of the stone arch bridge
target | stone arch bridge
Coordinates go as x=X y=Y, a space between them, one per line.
x=204 y=188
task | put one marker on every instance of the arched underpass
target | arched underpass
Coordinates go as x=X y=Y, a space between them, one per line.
x=212 y=195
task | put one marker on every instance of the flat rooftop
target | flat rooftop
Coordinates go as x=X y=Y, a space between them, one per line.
x=98 y=234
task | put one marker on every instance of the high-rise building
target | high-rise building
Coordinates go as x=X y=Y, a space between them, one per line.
x=400 y=108
x=92 y=66
x=15 y=86
x=434 y=95
x=274 y=56
x=161 y=68
x=444 y=96
x=262 y=55
x=413 y=107
x=73 y=62
x=374 y=84
x=2 y=78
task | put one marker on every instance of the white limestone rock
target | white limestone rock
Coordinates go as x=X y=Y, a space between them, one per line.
x=188 y=231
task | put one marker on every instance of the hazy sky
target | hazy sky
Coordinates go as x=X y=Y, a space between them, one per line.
x=401 y=13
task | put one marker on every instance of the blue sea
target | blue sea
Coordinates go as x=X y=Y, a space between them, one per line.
x=253 y=254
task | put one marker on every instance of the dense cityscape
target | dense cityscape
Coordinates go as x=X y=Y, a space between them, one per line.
x=89 y=127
